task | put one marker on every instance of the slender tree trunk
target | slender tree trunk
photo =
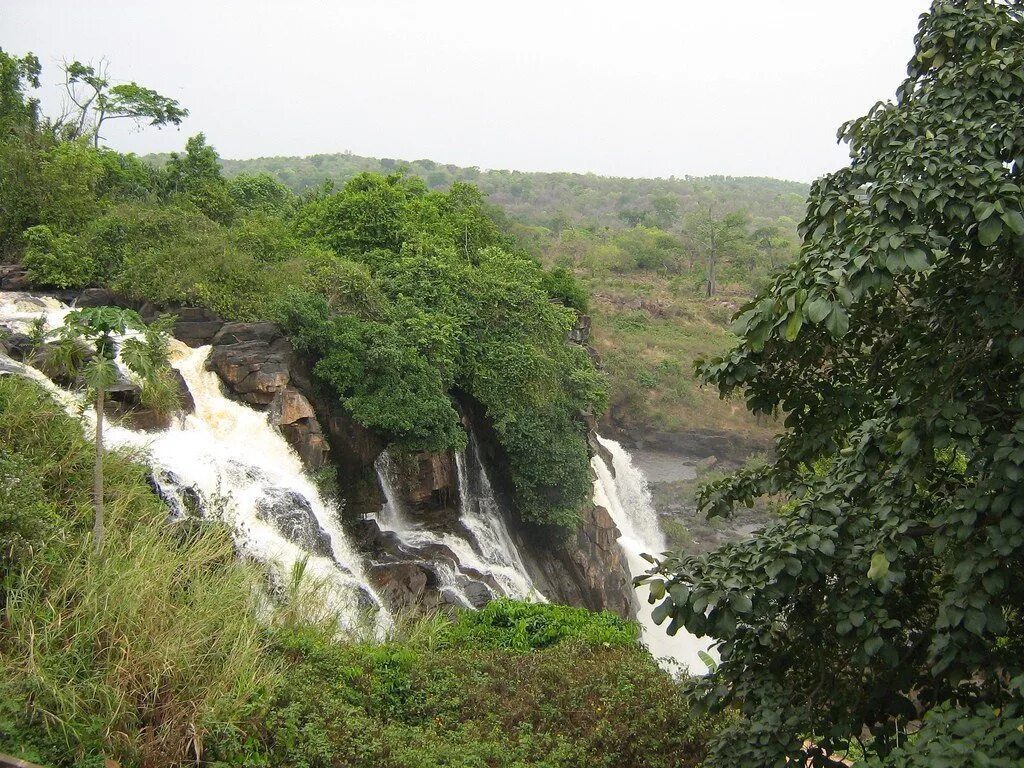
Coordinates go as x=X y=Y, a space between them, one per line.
x=97 y=480
x=712 y=263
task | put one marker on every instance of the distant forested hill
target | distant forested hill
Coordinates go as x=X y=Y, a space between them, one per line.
x=553 y=200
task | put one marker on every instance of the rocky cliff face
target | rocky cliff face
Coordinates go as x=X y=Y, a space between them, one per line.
x=258 y=365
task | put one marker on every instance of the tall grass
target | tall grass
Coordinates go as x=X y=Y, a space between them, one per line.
x=134 y=653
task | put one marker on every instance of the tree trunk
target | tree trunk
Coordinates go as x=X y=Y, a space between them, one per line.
x=712 y=262
x=97 y=480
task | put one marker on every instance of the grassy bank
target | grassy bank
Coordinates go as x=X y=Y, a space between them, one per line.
x=151 y=653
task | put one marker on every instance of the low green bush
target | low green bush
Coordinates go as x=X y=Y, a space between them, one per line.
x=519 y=626
x=592 y=697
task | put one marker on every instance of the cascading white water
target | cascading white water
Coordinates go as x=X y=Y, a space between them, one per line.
x=495 y=556
x=482 y=515
x=624 y=493
x=226 y=461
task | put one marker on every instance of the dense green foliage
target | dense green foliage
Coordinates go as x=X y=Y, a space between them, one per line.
x=532 y=626
x=402 y=295
x=888 y=597
x=473 y=694
x=640 y=248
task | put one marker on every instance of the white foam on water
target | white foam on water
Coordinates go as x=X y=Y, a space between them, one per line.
x=236 y=465
x=626 y=496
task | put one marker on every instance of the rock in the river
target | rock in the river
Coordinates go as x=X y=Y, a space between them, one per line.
x=404 y=584
x=253 y=359
x=124 y=401
x=291 y=514
x=17 y=345
x=100 y=297
x=478 y=593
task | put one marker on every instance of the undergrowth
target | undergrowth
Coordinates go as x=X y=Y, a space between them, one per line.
x=152 y=653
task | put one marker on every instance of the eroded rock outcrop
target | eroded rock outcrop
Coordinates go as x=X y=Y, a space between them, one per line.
x=253 y=359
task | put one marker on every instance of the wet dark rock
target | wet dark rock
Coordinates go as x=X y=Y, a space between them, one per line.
x=17 y=345
x=479 y=595
x=124 y=401
x=51 y=359
x=404 y=584
x=13 y=277
x=184 y=501
x=292 y=516
x=101 y=297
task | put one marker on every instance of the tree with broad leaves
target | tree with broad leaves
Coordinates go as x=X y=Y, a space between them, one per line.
x=887 y=602
x=94 y=101
x=87 y=343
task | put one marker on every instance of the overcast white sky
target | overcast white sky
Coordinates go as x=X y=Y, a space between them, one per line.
x=642 y=88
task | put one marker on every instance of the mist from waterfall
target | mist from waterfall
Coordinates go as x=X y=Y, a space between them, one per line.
x=622 y=489
x=226 y=462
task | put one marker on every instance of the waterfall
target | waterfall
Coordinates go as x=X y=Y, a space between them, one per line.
x=482 y=515
x=622 y=490
x=489 y=553
x=226 y=462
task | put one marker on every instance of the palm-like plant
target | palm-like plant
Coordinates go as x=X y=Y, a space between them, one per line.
x=97 y=329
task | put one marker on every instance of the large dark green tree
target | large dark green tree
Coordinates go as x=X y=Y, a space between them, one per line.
x=888 y=598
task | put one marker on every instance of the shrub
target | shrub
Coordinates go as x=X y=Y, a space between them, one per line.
x=57 y=259
x=520 y=626
x=476 y=703
x=561 y=285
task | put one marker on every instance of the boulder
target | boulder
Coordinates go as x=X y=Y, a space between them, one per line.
x=100 y=297
x=124 y=401
x=13 y=277
x=404 y=584
x=292 y=516
x=17 y=345
x=253 y=359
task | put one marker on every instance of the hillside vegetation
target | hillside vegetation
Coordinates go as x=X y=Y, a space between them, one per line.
x=642 y=248
x=400 y=295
